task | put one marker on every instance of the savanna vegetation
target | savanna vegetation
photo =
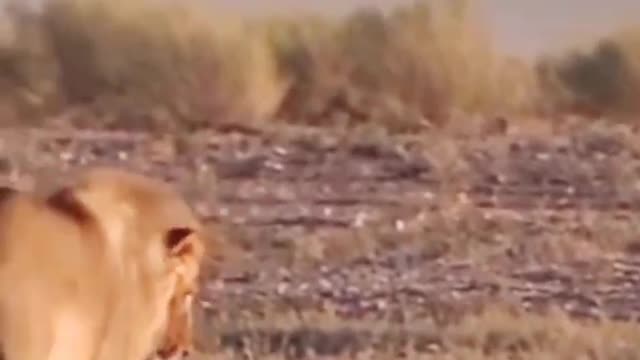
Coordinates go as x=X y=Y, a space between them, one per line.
x=144 y=63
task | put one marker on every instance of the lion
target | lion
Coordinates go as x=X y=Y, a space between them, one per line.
x=104 y=268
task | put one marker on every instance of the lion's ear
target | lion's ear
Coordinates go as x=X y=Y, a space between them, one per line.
x=176 y=241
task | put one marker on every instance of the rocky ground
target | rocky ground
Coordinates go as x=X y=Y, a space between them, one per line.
x=336 y=243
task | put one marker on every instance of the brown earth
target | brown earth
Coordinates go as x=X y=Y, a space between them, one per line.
x=377 y=235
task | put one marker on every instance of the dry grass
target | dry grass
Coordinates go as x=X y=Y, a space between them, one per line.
x=182 y=63
x=499 y=334
x=138 y=61
x=145 y=63
x=174 y=59
x=496 y=332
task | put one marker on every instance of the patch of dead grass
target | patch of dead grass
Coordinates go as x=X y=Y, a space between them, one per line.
x=497 y=332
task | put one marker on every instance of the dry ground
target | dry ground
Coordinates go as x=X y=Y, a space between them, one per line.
x=371 y=246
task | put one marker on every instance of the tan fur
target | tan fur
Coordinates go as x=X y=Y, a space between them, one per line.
x=103 y=269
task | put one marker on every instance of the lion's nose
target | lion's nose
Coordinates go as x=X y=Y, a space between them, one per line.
x=173 y=353
x=167 y=353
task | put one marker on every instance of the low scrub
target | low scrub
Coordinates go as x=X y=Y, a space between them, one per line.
x=152 y=63
x=603 y=80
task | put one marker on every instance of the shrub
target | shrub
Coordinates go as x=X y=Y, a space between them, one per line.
x=603 y=80
x=142 y=63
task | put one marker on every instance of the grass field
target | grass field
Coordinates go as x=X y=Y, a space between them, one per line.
x=385 y=185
